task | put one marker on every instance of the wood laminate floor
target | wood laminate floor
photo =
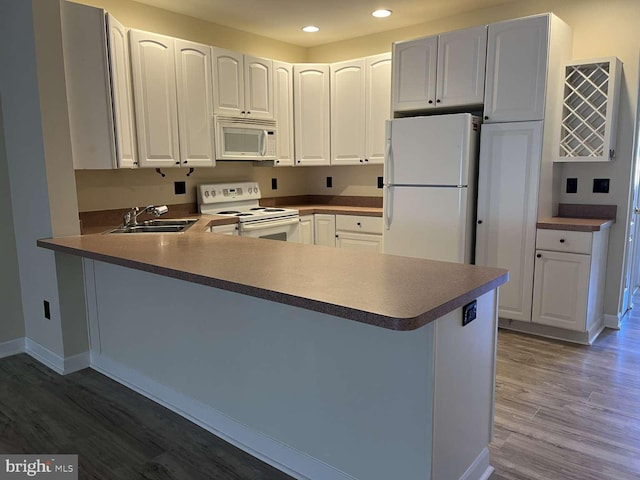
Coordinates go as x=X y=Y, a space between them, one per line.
x=563 y=412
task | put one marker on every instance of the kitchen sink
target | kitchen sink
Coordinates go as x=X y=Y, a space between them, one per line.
x=158 y=226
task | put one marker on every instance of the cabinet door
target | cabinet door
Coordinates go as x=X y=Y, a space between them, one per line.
x=258 y=87
x=228 y=82
x=325 y=229
x=359 y=241
x=561 y=289
x=305 y=232
x=347 y=112
x=195 y=106
x=122 y=98
x=461 y=64
x=377 y=106
x=517 y=53
x=311 y=114
x=154 y=87
x=283 y=112
x=414 y=74
x=510 y=156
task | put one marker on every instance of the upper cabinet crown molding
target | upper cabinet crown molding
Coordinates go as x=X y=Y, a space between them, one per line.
x=243 y=84
x=441 y=71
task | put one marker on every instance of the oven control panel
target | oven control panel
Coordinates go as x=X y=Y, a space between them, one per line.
x=215 y=193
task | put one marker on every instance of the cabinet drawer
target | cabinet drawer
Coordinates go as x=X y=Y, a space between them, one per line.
x=564 y=241
x=359 y=223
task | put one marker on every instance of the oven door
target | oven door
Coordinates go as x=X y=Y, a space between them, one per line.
x=282 y=229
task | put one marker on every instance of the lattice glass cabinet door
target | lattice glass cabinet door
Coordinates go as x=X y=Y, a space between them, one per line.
x=589 y=110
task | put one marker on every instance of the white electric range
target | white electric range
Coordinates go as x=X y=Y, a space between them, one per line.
x=241 y=200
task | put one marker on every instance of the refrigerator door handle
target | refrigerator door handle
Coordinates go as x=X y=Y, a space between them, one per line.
x=388 y=161
x=387 y=203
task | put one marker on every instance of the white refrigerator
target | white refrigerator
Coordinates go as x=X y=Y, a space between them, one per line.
x=430 y=187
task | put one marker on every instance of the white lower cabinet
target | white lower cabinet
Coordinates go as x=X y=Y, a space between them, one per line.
x=569 y=280
x=305 y=232
x=325 y=229
x=357 y=232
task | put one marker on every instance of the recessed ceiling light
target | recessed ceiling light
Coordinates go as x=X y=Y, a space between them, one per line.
x=310 y=29
x=381 y=13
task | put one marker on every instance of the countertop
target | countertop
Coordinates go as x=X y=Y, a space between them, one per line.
x=574 y=224
x=387 y=291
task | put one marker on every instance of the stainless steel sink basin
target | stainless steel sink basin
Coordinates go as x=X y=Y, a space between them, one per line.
x=158 y=226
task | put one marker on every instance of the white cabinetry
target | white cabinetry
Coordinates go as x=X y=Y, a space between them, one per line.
x=98 y=81
x=306 y=230
x=360 y=96
x=524 y=57
x=283 y=112
x=356 y=232
x=569 y=280
x=173 y=121
x=311 y=114
x=440 y=71
x=243 y=84
x=325 y=229
x=510 y=156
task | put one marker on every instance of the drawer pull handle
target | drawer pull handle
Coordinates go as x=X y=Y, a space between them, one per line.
x=539 y=255
x=562 y=240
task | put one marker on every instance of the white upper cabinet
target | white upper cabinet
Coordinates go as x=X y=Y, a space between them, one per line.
x=348 y=112
x=283 y=112
x=195 y=112
x=377 y=105
x=311 y=114
x=243 y=85
x=461 y=66
x=414 y=74
x=441 y=71
x=154 y=86
x=360 y=105
x=98 y=81
x=172 y=95
x=517 y=55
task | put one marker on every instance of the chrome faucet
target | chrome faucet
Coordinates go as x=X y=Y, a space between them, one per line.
x=131 y=217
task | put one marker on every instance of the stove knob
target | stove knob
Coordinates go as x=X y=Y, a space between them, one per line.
x=213 y=193
x=206 y=193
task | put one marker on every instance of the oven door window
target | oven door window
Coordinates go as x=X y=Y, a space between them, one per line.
x=275 y=236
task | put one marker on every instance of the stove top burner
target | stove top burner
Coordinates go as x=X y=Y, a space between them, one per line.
x=243 y=214
x=228 y=212
x=257 y=208
x=274 y=209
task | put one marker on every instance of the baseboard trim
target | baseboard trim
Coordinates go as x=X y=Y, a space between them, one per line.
x=584 y=338
x=55 y=362
x=480 y=468
x=12 y=347
x=293 y=462
x=614 y=321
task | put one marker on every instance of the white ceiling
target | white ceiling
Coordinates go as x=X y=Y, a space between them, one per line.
x=337 y=19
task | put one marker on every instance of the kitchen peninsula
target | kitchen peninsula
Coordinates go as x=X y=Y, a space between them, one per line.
x=326 y=363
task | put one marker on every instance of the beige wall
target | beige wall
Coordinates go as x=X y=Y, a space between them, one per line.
x=144 y=17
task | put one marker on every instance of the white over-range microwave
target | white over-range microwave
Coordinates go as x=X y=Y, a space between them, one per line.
x=239 y=138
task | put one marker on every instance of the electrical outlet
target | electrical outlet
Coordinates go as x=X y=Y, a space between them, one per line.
x=380 y=182
x=274 y=184
x=180 y=188
x=47 y=310
x=329 y=182
x=572 y=185
x=600 y=185
x=469 y=312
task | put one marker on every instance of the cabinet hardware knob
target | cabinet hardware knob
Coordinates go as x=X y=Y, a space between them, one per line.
x=359 y=224
x=539 y=255
x=430 y=101
x=185 y=162
x=479 y=222
x=438 y=101
x=248 y=113
x=243 y=112
x=366 y=159
x=361 y=160
x=177 y=163
x=562 y=240
x=486 y=117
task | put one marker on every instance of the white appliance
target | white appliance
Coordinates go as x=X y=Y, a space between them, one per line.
x=239 y=138
x=241 y=200
x=430 y=187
